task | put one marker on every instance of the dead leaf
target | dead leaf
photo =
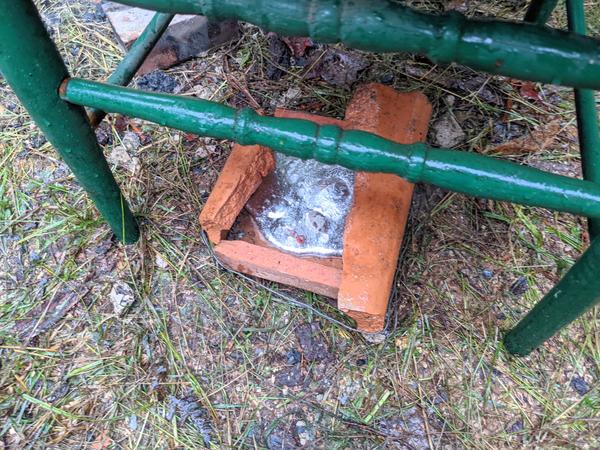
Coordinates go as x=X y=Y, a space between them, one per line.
x=529 y=91
x=337 y=67
x=535 y=141
x=101 y=442
x=298 y=45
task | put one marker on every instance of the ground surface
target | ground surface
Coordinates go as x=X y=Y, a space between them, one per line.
x=155 y=346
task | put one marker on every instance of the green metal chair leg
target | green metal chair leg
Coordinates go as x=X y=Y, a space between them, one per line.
x=587 y=115
x=32 y=66
x=539 y=11
x=578 y=291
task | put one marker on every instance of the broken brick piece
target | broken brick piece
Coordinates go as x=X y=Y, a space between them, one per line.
x=187 y=36
x=275 y=265
x=375 y=225
x=243 y=172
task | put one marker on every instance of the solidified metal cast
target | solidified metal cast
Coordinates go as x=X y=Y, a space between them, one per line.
x=469 y=173
x=519 y=50
x=135 y=57
x=34 y=69
x=587 y=115
x=578 y=291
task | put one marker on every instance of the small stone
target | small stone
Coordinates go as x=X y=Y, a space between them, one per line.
x=34 y=257
x=122 y=297
x=121 y=158
x=103 y=136
x=316 y=221
x=311 y=341
x=447 y=131
x=174 y=138
x=503 y=132
x=305 y=433
x=580 y=385
x=37 y=141
x=487 y=274
x=290 y=377
x=407 y=424
x=450 y=100
x=288 y=97
x=158 y=81
x=441 y=397
x=59 y=392
x=387 y=78
x=11 y=106
x=374 y=338
x=205 y=150
x=133 y=422
x=281 y=439
x=519 y=287
x=97 y=15
x=516 y=427
x=203 y=92
x=160 y=262
x=131 y=141
x=293 y=356
x=339 y=67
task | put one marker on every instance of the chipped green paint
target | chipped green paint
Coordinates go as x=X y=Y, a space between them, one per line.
x=519 y=50
x=578 y=291
x=34 y=69
x=135 y=57
x=469 y=173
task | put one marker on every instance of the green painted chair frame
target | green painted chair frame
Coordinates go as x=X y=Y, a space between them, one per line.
x=528 y=50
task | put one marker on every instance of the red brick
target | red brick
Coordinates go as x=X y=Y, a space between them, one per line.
x=275 y=265
x=375 y=225
x=243 y=172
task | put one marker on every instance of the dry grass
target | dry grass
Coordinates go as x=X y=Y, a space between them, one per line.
x=200 y=355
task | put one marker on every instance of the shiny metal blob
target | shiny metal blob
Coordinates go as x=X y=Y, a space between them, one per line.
x=302 y=206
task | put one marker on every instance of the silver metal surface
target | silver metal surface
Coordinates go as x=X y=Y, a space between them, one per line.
x=302 y=206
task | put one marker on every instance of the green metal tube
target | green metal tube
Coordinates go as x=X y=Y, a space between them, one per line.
x=33 y=67
x=539 y=11
x=519 y=50
x=135 y=57
x=578 y=291
x=587 y=115
x=469 y=173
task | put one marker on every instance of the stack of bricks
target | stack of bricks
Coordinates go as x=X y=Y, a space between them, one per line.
x=361 y=280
